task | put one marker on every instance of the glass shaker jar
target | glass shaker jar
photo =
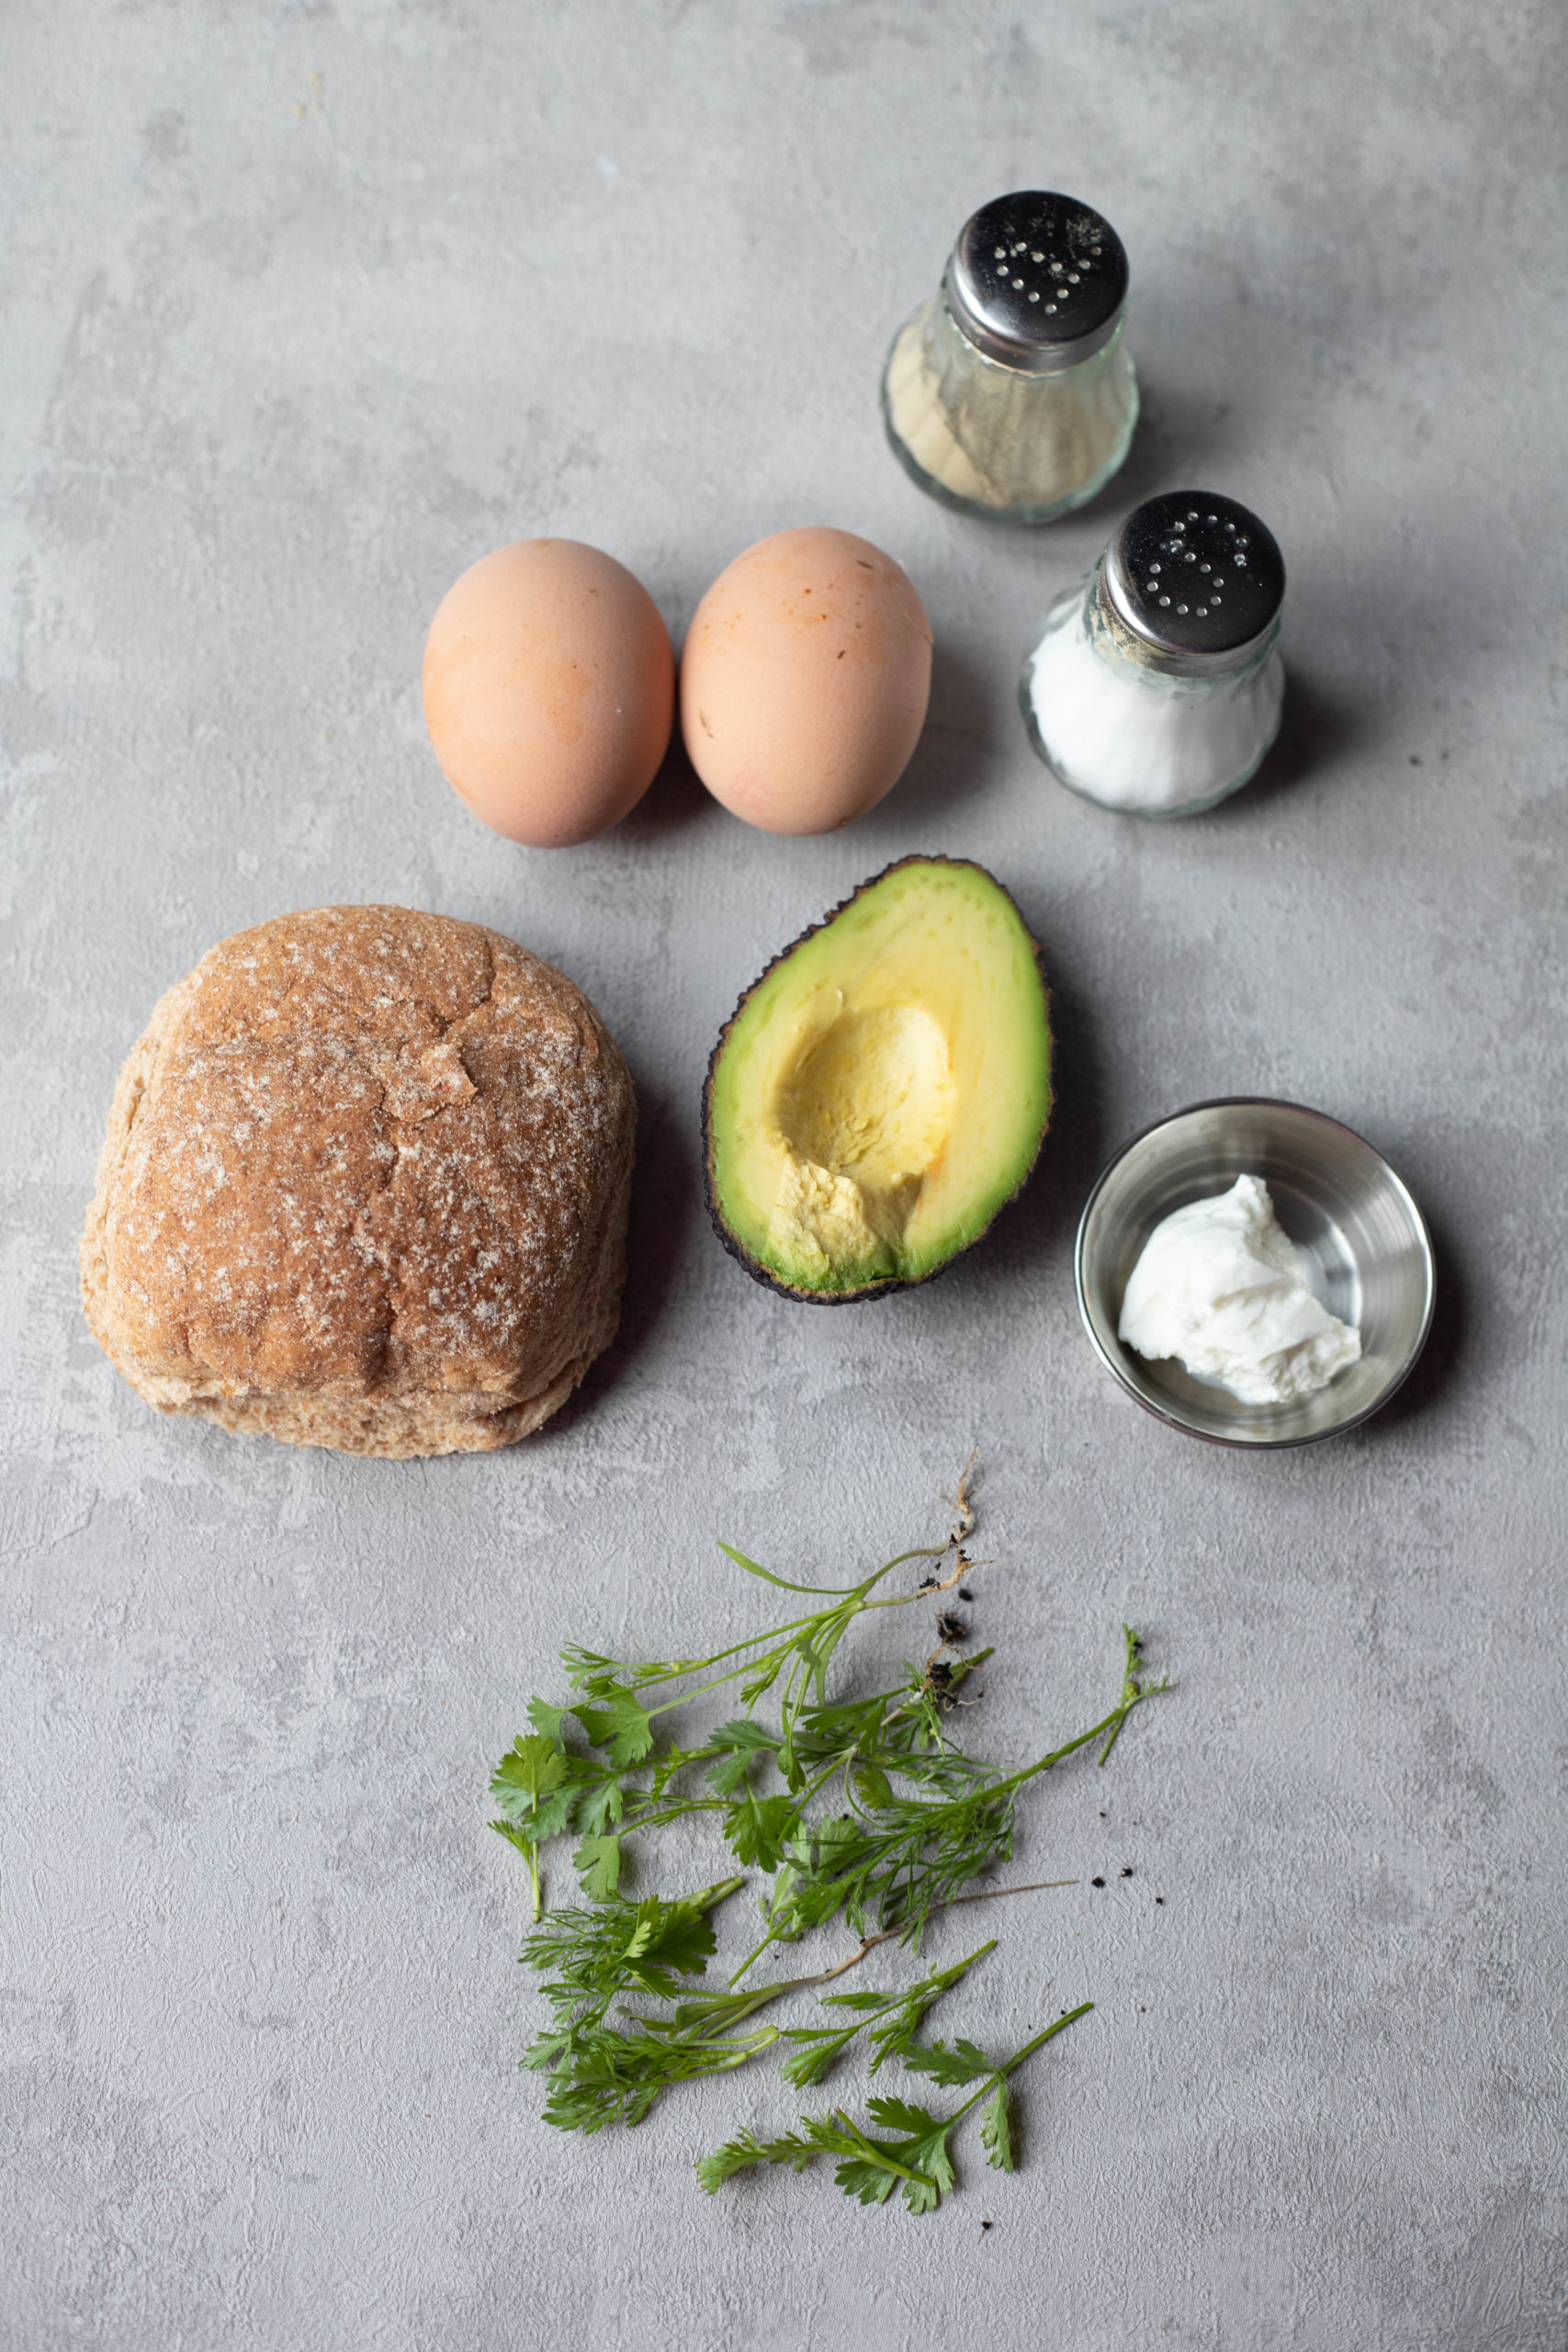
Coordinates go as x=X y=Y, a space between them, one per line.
x=1158 y=683
x=1011 y=392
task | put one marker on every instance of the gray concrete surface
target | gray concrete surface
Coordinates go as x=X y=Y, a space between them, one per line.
x=303 y=308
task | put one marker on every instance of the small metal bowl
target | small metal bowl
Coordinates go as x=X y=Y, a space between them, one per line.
x=1363 y=1238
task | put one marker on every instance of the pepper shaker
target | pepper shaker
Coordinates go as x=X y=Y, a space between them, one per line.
x=1011 y=392
x=1158 y=682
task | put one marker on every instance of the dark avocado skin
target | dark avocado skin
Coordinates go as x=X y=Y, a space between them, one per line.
x=742 y=1256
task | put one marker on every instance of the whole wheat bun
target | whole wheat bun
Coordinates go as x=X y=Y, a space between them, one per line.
x=365 y=1186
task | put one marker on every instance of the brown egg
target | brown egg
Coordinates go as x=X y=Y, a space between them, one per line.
x=549 y=690
x=804 y=680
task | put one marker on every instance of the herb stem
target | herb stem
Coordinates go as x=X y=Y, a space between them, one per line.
x=1019 y=2056
x=924 y=1591
x=853 y=1596
x=1111 y=1723
x=875 y=2151
x=676 y=1812
x=751 y=1956
x=869 y=1944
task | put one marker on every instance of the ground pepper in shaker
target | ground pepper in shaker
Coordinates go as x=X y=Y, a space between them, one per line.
x=1158 y=682
x=1011 y=392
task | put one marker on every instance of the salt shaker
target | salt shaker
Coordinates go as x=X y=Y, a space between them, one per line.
x=1158 y=683
x=1011 y=392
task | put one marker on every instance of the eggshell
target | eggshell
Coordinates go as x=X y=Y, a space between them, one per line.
x=804 y=680
x=549 y=690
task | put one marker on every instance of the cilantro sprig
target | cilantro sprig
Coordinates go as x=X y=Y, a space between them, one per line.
x=860 y=1807
x=918 y=2162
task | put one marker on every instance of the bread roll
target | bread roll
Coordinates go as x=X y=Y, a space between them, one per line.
x=365 y=1186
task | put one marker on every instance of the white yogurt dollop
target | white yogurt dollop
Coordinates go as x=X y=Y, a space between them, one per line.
x=1222 y=1286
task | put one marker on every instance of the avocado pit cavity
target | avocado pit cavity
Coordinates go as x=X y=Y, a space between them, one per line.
x=864 y=1116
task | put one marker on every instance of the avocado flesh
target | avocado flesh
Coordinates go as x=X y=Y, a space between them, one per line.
x=884 y=1087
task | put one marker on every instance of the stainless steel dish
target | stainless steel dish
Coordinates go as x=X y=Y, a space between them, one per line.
x=1343 y=1207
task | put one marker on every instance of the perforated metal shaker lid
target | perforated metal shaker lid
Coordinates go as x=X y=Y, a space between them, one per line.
x=1037 y=281
x=1194 y=573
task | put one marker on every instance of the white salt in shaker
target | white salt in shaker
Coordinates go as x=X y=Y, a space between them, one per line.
x=1011 y=392
x=1158 y=683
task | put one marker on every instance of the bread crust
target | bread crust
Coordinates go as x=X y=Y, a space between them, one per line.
x=365 y=1185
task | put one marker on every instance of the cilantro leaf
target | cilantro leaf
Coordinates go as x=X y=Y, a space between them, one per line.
x=962 y=2063
x=622 y=1727
x=728 y=1774
x=548 y=1721
x=599 y=1809
x=756 y=1829
x=899 y=2115
x=530 y=1768
x=872 y=2181
x=738 y=1743
x=746 y=1736
x=996 y=2134
x=669 y=1939
x=597 y=1862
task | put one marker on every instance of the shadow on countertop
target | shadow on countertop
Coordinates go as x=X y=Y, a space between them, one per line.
x=958 y=743
x=1315 y=729
x=666 y=1203
x=1043 y=1219
x=674 y=801
x=1440 y=1360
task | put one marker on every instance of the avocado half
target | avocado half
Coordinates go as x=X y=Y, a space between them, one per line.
x=883 y=1089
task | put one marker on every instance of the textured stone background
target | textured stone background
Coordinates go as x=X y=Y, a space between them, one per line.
x=304 y=307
